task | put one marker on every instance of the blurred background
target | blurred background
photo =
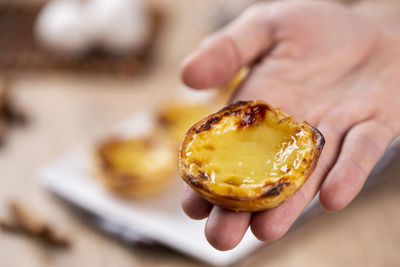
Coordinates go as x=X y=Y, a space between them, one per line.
x=70 y=69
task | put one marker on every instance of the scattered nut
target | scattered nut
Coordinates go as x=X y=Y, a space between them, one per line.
x=23 y=221
x=9 y=112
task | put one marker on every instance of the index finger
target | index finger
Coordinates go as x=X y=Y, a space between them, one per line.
x=222 y=54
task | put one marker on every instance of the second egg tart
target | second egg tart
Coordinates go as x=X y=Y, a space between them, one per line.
x=249 y=156
x=135 y=166
x=175 y=118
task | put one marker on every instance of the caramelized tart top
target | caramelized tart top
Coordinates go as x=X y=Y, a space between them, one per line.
x=248 y=148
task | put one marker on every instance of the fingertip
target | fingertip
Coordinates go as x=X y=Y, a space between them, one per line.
x=225 y=229
x=330 y=201
x=194 y=205
x=218 y=243
x=341 y=185
x=188 y=71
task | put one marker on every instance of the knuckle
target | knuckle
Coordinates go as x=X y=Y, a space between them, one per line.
x=371 y=138
x=342 y=185
x=352 y=172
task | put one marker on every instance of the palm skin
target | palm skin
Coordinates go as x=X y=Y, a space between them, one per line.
x=320 y=62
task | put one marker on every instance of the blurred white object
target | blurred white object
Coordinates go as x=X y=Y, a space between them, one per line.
x=77 y=26
x=118 y=26
x=59 y=27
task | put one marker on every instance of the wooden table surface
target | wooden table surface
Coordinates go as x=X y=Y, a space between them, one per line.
x=65 y=110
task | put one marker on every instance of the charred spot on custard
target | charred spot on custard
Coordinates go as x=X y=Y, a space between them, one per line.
x=198 y=163
x=192 y=180
x=250 y=116
x=205 y=126
x=233 y=106
x=209 y=147
x=276 y=190
x=286 y=119
x=202 y=175
x=253 y=115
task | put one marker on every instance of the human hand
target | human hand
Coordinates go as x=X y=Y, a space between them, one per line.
x=320 y=62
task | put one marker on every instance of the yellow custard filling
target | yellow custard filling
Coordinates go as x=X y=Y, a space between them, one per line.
x=248 y=157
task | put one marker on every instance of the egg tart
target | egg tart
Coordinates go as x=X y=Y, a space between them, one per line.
x=175 y=118
x=135 y=166
x=249 y=156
